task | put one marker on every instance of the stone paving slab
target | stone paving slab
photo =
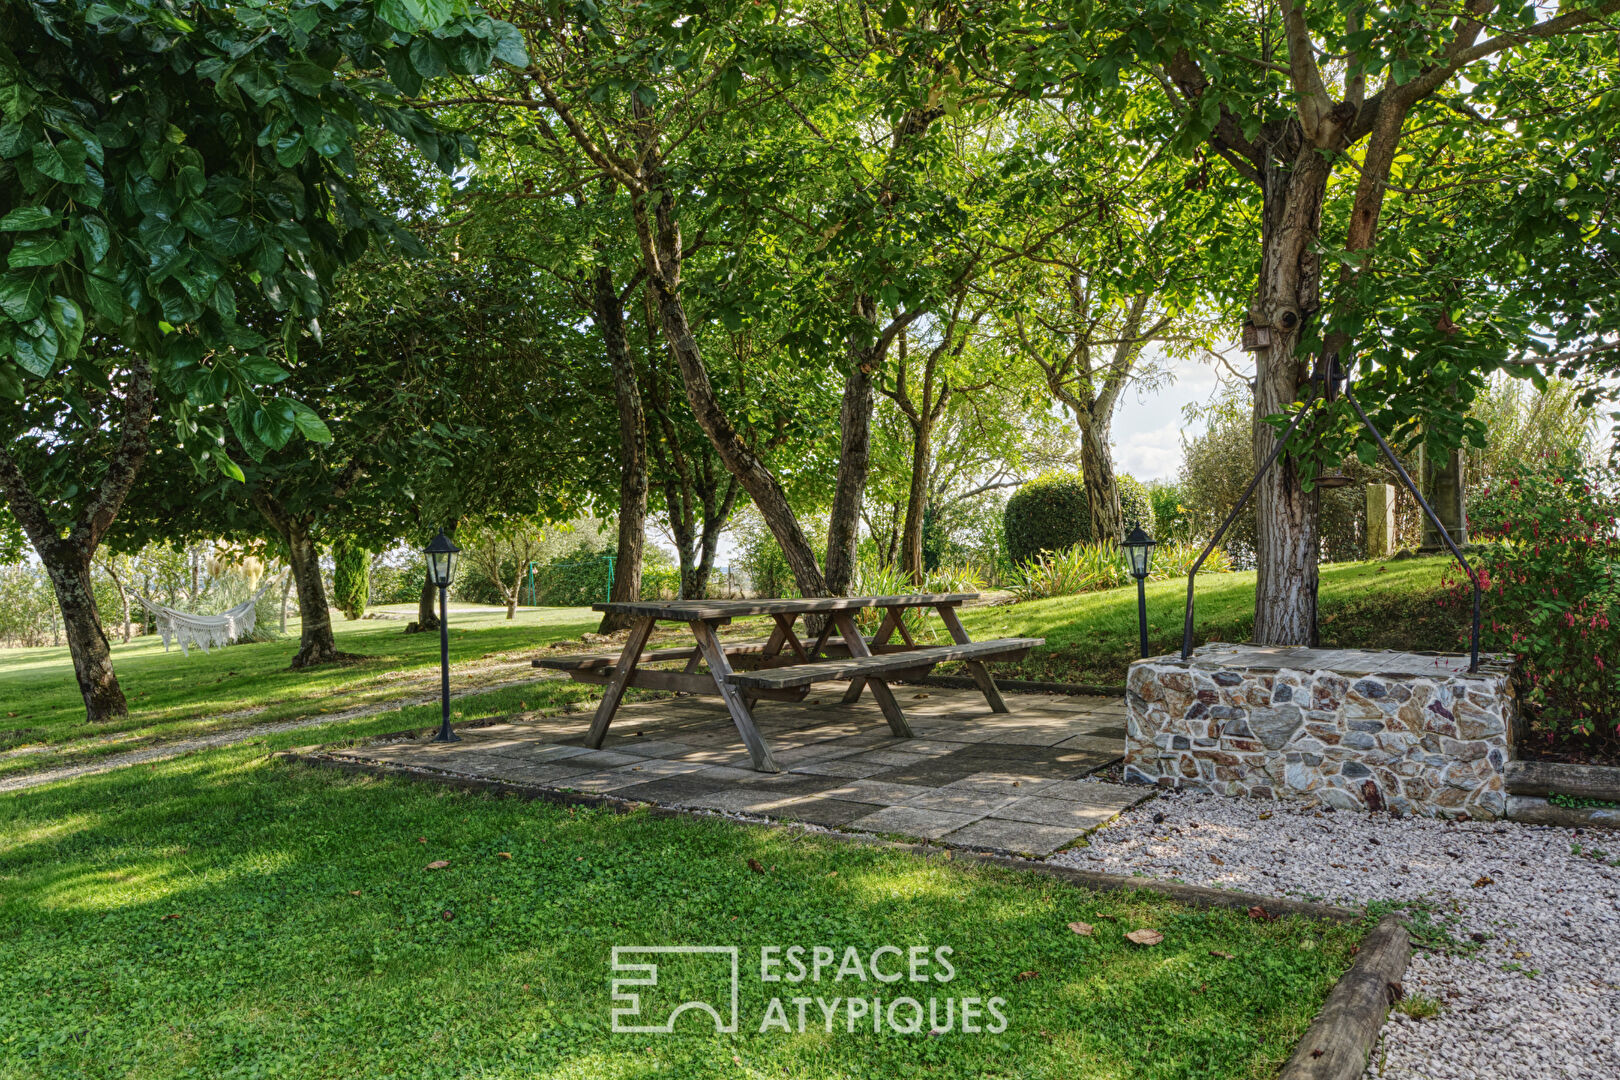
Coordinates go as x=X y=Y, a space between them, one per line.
x=1012 y=782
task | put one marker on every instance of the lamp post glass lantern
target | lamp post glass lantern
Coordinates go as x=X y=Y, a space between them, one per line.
x=441 y=567
x=1139 y=554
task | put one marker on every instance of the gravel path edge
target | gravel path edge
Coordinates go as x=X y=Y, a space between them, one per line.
x=1340 y=1042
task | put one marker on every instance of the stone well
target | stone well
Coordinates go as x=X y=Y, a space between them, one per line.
x=1411 y=732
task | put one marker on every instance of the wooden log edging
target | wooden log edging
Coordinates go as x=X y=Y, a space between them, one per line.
x=1529 y=810
x=1339 y=1043
x=1193 y=895
x=1543 y=778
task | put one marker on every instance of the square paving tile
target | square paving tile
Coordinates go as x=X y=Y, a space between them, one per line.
x=607 y=780
x=891 y=758
x=841 y=767
x=1014 y=837
x=962 y=800
x=1002 y=781
x=880 y=792
x=913 y=821
x=1116 y=796
x=830 y=813
x=672 y=791
x=1100 y=743
x=1063 y=812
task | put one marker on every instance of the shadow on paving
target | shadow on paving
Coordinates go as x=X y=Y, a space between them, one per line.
x=1013 y=782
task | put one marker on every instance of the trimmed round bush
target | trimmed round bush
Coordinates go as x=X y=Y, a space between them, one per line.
x=1135 y=504
x=1050 y=513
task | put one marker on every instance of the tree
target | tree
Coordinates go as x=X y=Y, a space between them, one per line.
x=502 y=554
x=351 y=577
x=159 y=172
x=1249 y=86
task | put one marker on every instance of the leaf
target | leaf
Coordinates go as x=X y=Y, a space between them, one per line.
x=1025 y=976
x=35 y=355
x=64 y=161
x=1083 y=929
x=22 y=294
x=105 y=297
x=1144 y=937
x=1222 y=955
x=308 y=424
x=753 y=864
x=28 y=218
x=1260 y=913
x=509 y=44
x=68 y=318
x=41 y=250
x=1217 y=860
x=1484 y=881
x=503 y=854
x=437 y=864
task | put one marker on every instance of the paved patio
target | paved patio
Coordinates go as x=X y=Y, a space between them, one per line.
x=1012 y=782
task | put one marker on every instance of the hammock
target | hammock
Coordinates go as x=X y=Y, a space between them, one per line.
x=204 y=630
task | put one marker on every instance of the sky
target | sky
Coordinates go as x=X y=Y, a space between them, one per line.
x=1148 y=424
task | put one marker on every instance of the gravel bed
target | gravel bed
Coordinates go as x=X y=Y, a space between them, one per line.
x=1535 y=991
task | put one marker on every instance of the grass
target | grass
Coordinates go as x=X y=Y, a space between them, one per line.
x=224 y=914
x=1092 y=637
x=174 y=696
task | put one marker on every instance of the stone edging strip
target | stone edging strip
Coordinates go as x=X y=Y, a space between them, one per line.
x=1339 y=1043
x=1195 y=895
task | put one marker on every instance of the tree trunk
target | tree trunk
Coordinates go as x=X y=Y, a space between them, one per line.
x=123 y=597
x=854 y=463
x=67 y=558
x=69 y=571
x=427 y=606
x=911 y=550
x=632 y=451
x=1287 y=538
x=1097 y=473
x=315 y=642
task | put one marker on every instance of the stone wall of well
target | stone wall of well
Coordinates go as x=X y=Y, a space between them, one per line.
x=1411 y=733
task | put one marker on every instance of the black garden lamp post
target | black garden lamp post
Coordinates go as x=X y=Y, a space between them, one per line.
x=441 y=567
x=1139 y=553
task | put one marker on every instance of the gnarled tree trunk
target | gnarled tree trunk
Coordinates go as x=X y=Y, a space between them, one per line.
x=1097 y=474
x=66 y=558
x=1287 y=537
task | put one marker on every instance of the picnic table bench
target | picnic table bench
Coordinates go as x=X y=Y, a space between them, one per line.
x=784 y=667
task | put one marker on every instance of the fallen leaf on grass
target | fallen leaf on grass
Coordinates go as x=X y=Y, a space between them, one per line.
x=753 y=864
x=1025 y=976
x=166 y=918
x=447 y=915
x=354 y=892
x=437 y=864
x=503 y=854
x=1222 y=955
x=421 y=839
x=1081 y=928
x=1144 y=937
x=1484 y=881
x=1258 y=912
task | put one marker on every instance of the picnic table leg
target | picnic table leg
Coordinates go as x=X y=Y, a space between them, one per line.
x=981 y=674
x=880 y=688
x=719 y=668
x=784 y=623
x=640 y=631
x=890 y=618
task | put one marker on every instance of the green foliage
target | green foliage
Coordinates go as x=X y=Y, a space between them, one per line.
x=1048 y=514
x=154 y=211
x=1089 y=567
x=1171 y=516
x=351 y=578
x=1549 y=560
x=582 y=576
x=1136 y=505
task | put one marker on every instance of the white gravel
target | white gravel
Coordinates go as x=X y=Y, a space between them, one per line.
x=1540 y=998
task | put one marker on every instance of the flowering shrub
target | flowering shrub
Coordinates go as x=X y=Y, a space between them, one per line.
x=1549 y=562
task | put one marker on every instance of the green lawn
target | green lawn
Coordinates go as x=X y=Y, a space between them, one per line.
x=1092 y=638
x=225 y=914
x=173 y=696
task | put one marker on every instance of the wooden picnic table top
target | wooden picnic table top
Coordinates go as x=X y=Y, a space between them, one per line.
x=698 y=610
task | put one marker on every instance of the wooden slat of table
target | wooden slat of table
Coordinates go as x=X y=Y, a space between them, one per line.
x=691 y=610
x=900 y=659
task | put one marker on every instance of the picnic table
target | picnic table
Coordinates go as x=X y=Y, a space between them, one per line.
x=784 y=667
